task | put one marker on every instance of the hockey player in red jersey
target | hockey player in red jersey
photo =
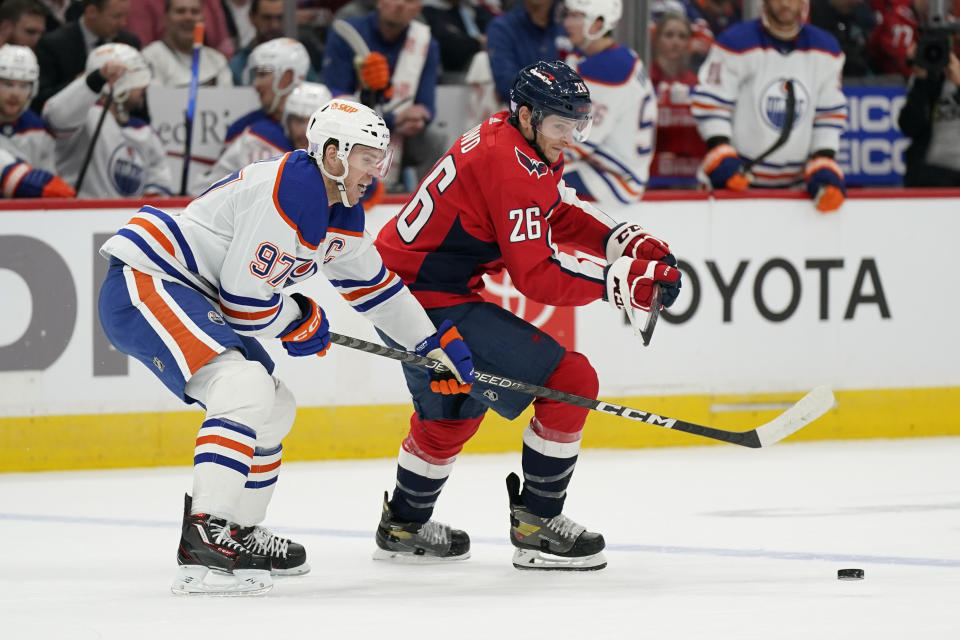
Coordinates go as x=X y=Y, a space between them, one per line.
x=496 y=201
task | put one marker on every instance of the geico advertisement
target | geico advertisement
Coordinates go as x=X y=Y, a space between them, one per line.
x=775 y=297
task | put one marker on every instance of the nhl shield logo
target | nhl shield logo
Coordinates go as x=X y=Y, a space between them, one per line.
x=158 y=363
x=773 y=103
x=490 y=395
x=215 y=318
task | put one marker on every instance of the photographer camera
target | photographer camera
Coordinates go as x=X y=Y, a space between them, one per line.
x=931 y=115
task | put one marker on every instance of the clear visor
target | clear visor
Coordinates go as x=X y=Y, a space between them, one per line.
x=371 y=161
x=566 y=129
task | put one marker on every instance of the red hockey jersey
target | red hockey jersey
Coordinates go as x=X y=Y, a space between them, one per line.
x=490 y=204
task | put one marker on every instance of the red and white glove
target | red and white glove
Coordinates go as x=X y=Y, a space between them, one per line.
x=630 y=283
x=375 y=72
x=632 y=241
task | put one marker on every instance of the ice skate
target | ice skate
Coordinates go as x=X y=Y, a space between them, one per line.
x=412 y=542
x=213 y=563
x=550 y=544
x=287 y=558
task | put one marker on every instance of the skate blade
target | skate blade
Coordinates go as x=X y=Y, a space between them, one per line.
x=533 y=560
x=292 y=571
x=407 y=557
x=201 y=581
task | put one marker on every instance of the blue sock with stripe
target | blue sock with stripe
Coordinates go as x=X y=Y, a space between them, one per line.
x=545 y=482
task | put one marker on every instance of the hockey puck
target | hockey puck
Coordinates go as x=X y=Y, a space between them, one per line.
x=850 y=574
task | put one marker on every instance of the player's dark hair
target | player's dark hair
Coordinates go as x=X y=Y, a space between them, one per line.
x=12 y=9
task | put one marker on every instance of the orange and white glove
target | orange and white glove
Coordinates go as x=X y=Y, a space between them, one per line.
x=723 y=167
x=825 y=183
x=20 y=180
x=375 y=72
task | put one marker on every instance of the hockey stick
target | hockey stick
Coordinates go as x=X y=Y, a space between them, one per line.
x=809 y=408
x=788 y=118
x=191 y=106
x=93 y=142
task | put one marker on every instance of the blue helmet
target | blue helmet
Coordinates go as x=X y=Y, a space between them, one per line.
x=551 y=88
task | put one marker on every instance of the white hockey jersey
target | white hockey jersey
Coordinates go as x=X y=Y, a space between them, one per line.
x=263 y=139
x=741 y=96
x=27 y=138
x=613 y=165
x=129 y=159
x=260 y=229
x=174 y=69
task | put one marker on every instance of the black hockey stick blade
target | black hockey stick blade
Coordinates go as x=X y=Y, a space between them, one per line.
x=809 y=408
x=788 y=117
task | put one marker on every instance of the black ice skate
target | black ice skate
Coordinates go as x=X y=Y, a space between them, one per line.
x=557 y=543
x=287 y=558
x=212 y=562
x=418 y=543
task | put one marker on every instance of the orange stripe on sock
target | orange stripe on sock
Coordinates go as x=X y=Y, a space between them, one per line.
x=226 y=442
x=263 y=468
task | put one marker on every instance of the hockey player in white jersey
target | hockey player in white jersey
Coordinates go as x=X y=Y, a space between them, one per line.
x=614 y=166
x=26 y=147
x=265 y=138
x=739 y=104
x=128 y=158
x=188 y=295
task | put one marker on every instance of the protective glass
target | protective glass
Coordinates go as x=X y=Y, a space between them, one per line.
x=560 y=128
x=370 y=160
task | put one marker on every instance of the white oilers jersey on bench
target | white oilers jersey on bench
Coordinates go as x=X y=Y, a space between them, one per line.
x=741 y=96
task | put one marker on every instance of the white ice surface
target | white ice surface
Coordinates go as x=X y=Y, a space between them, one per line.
x=714 y=542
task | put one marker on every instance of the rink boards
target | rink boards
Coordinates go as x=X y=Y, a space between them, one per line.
x=777 y=299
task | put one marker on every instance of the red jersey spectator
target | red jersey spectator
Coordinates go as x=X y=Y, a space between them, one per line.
x=146 y=20
x=679 y=147
x=895 y=35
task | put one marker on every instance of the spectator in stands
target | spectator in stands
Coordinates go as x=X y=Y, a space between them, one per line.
x=701 y=34
x=55 y=13
x=458 y=26
x=147 y=19
x=741 y=99
x=850 y=22
x=612 y=166
x=399 y=75
x=266 y=137
x=127 y=159
x=25 y=144
x=267 y=19
x=680 y=149
x=63 y=53
x=931 y=119
x=355 y=9
x=895 y=35
x=172 y=58
x=22 y=22
x=529 y=32
x=237 y=14
x=719 y=14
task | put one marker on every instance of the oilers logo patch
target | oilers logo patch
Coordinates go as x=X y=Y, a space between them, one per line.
x=127 y=170
x=215 y=318
x=773 y=103
x=533 y=167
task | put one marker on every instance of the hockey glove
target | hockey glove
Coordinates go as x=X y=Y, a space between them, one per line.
x=630 y=283
x=825 y=183
x=723 y=166
x=374 y=72
x=448 y=347
x=310 y=334
x=632 y=241
x=23 y=181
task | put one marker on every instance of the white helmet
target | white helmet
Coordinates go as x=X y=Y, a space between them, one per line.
x=277 y=56
x=350 y=124
x=20 y=63
x=138 y=73
x=306 y=99
x=609 y=11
